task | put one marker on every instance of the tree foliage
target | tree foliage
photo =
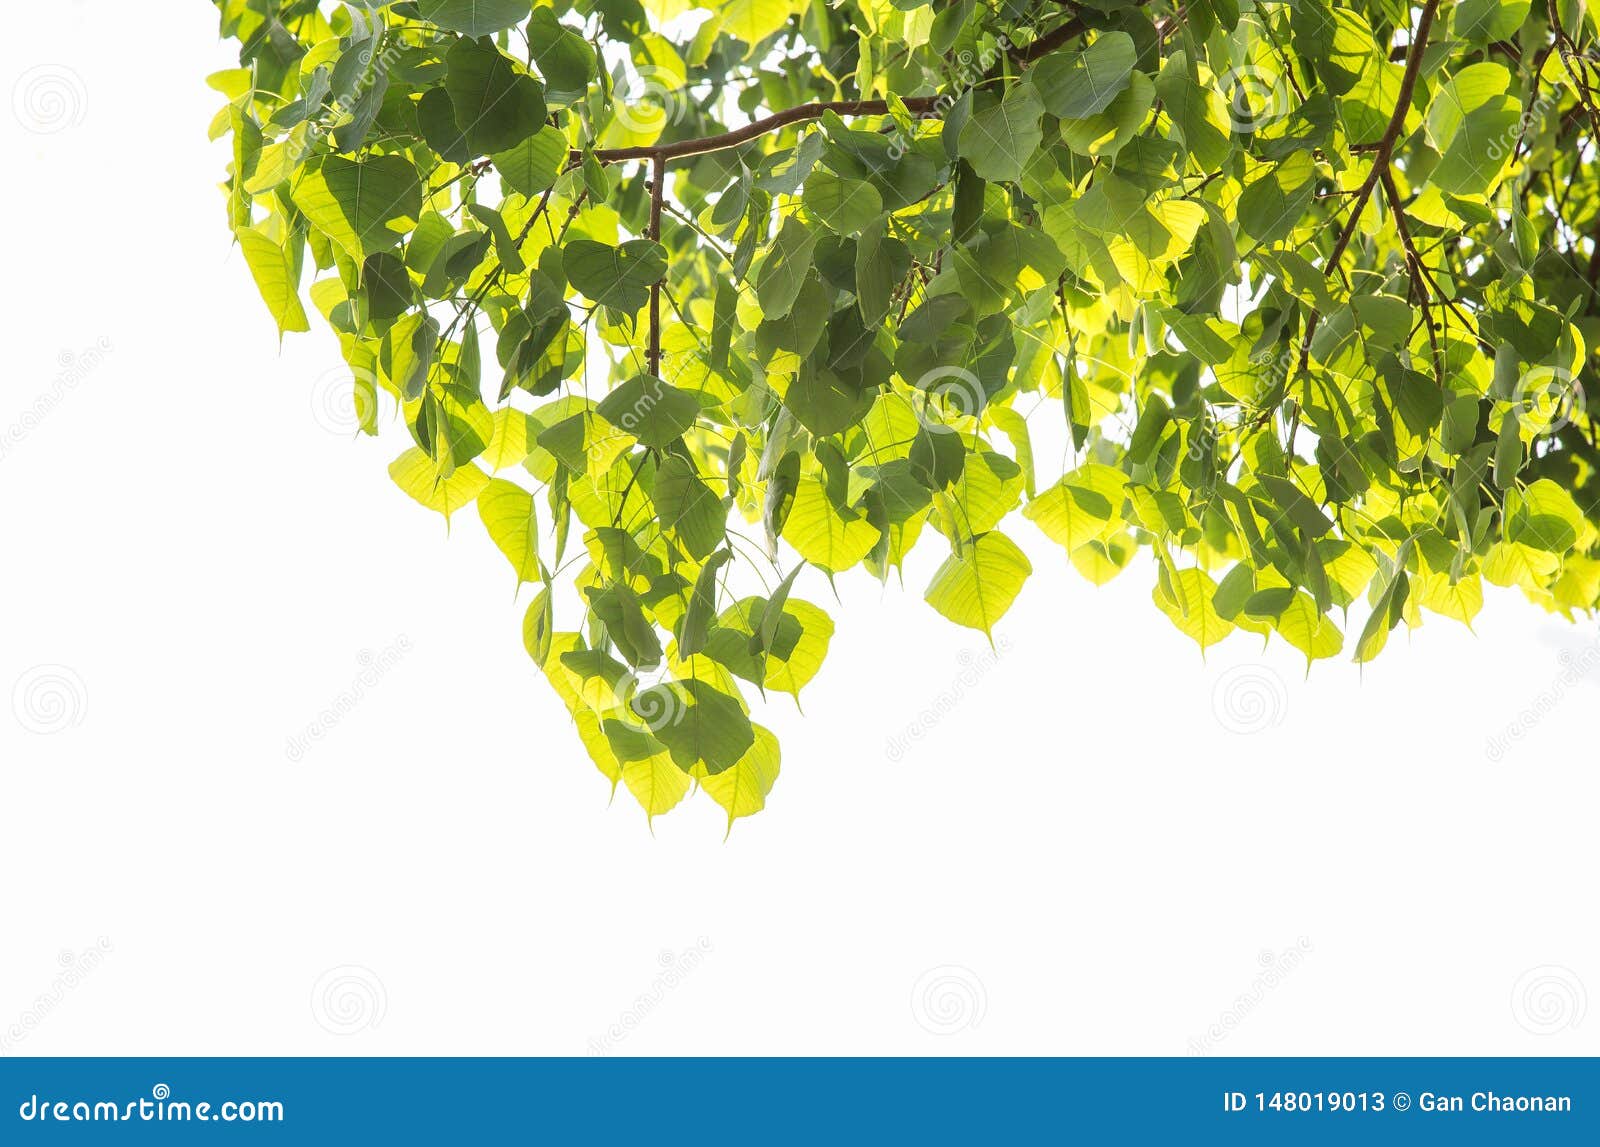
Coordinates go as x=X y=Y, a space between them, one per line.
x=1302 y=293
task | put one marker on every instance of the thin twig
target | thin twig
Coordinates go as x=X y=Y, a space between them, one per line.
x=1418 y=282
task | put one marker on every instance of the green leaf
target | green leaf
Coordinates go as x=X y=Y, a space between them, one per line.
x=702 y=605
x=1388 y=606
x=504 y=245
x=618 y=277
x=655 y=782
x=783 y=274
x=820 y=534
x=496 y=105
x=1078 y=84
x=276 y=276
x=845 y=206
x=711 y=728
x=473 y=17
x=999 y=140
x=650 y=410
x=531 y=166
x=1188 y=597
x=538 y=626
x=1472 y=122
x=511 y=516
x=753 y=20
x=415 y=473
x=627 y=625
x=363 y=207
x=1083 y=507
x=742 y=789
x=880 y=263
x=1487 y=20
x=689 y=507
x=563 y=57
x=976 y=588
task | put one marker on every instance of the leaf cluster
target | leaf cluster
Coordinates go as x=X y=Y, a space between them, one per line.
x=687 y=300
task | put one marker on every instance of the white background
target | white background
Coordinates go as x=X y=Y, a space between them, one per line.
x=1084 y=854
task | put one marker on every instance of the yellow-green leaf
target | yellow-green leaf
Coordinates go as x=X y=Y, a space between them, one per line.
x=976 y=587
x=511 y=516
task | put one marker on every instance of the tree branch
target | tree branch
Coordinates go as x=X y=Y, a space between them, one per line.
x=1391 y=134
x=1565 y=48
x=1380 y=163
x=683 y=148
x=658 y=187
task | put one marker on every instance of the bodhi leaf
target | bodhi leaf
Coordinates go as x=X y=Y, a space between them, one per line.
x=532 y=165
x=753 y=20
x=415 y=473
x=614 y=276
x=711 y=729
x=976 y=588
x=511 y=516
x=1189 y=600
x=655 y=782
x=473 y=17
x=1075 y=85
x=563 y=57
x=276 y=277
x=496 y=105
x=845 y=205
x=650 y=410
x=363 y=207
x=784 y=272
x=999 y=140
x=821 y=534
x=742 y=789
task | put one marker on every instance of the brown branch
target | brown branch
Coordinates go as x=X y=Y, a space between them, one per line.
x=1076 y=27
x=1380 y=165
x=683 y=148
x=1566 y=48
x=1391 y=134
x=1054 y=38
x=658 y=186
